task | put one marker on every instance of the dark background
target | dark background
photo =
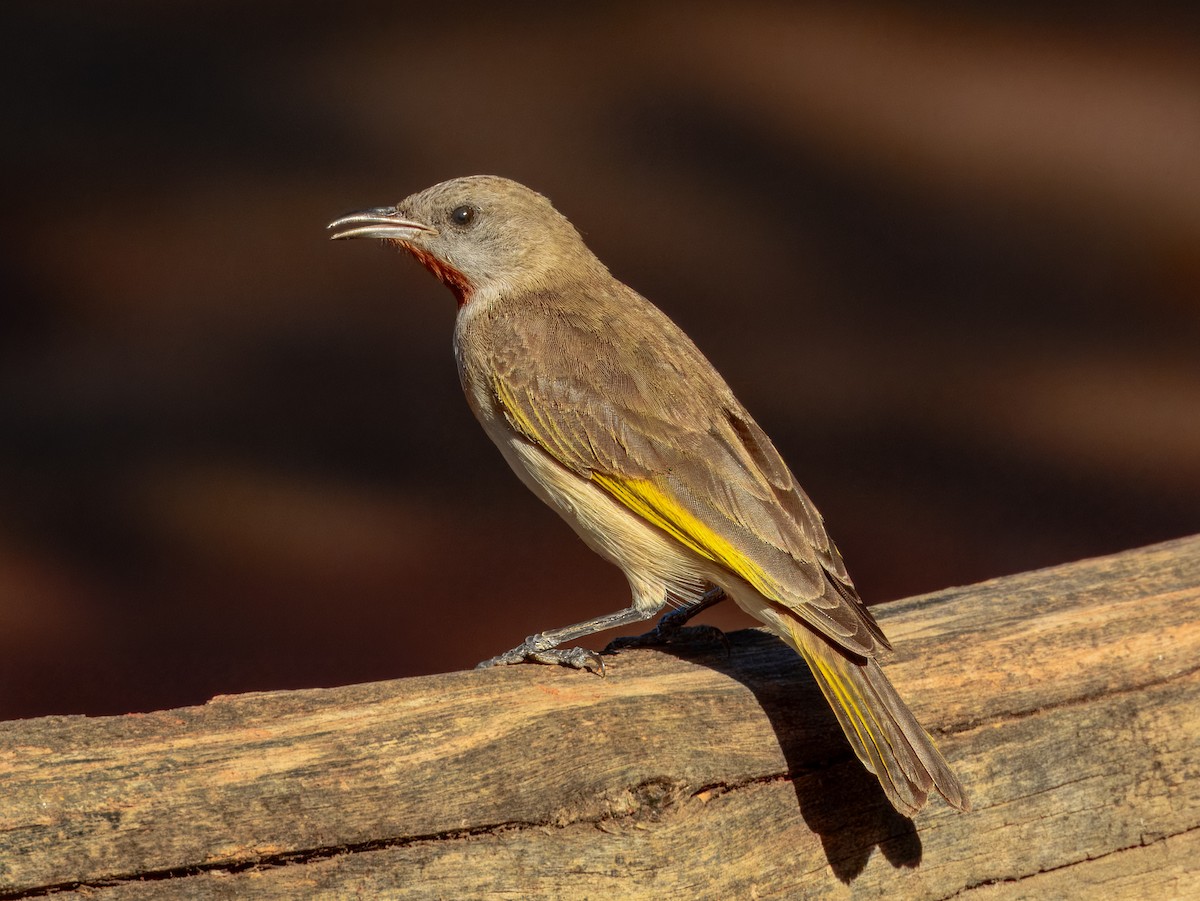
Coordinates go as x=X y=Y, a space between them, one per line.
x=947 y=254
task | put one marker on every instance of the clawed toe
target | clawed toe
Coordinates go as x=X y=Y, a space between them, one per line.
x=576 y=658
x=535 y=649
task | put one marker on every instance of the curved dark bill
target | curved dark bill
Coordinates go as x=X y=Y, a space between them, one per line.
x=381 y=222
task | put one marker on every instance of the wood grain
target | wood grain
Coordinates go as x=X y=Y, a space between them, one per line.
x=1068 y=700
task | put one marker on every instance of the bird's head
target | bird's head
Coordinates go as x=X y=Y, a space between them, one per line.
x=477 y=233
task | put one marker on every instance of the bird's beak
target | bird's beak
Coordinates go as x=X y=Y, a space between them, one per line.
x=382 y=222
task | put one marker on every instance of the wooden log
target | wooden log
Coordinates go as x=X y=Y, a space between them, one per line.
x=1068 y=700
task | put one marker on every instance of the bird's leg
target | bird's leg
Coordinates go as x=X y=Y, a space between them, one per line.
x=543 y=647
x=671 y=627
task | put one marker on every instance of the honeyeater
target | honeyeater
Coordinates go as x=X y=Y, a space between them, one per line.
x=609 y=413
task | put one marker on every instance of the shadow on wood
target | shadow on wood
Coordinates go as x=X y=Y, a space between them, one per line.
x=1066 y=700
x=841 y=802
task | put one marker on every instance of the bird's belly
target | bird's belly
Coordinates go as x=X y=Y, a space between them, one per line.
x=654 y=563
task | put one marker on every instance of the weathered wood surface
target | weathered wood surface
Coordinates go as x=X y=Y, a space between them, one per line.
x=1068 y=700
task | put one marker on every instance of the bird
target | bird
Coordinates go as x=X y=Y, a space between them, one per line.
x=613 y=417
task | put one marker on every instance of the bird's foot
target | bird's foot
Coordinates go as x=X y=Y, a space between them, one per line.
x=671 y=629
x=538 y=649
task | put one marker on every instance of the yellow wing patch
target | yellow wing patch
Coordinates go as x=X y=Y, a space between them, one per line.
x=543 y=430
x=656 y=506
x=641 y=496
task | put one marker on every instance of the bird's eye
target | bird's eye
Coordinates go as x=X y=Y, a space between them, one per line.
x=462 y=215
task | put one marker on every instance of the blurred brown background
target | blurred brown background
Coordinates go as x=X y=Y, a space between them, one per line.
x=946 y=253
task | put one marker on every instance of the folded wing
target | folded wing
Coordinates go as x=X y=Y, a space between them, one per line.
x=608 y=399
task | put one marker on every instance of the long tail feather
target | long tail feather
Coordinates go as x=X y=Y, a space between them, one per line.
x=882 y=730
